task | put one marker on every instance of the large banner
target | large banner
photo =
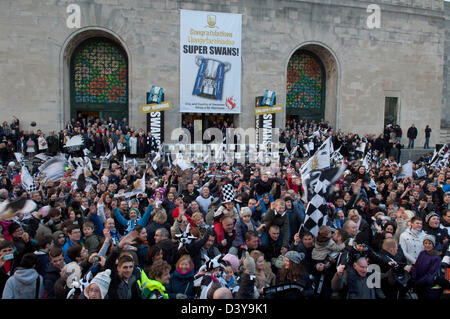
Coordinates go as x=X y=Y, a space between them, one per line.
x=155 y=124
x=210 y=62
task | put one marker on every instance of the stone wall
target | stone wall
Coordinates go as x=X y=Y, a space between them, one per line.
x=404 y=58
x=445 y=122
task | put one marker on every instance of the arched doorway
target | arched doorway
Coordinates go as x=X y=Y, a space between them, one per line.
x=99 y=80
x=312 y=84
x=305 y=89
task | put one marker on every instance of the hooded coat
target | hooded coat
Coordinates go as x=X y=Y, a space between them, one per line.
x=426 y=267
x=51 y=276
x=412 y=244
x=22 y=285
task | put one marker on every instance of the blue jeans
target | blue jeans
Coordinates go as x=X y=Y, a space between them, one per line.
x=427 y=141
x=411 y=143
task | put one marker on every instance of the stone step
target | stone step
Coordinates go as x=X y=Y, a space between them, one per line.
x=413 y=154
x=444 y=136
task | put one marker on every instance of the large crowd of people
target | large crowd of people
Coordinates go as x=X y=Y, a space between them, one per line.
x=220 y=230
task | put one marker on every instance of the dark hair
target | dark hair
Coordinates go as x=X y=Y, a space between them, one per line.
x=158 y=268
x=74 y=252
x=55 y=252
x=89 y=224
x=71 y=227
x=28 y=260
x=44 y=241
x=293 y=274
x=152 y=252
x=6 y=244
x=415 y=218
x=307 y=234
x=249 y=235
x=53 y=212
x=124 y=259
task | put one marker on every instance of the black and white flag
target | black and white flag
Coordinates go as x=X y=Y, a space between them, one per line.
x=367 y=160
x=316 y=211
x=325 y=178
x=440 y=157
x=54 y=168
x=27 y=180
x=421 y=172
x=9 y=209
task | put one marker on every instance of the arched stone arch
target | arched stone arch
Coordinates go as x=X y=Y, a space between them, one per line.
x=332 y=77
x=67 y=50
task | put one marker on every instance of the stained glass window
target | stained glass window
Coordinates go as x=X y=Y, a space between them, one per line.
x=100 y=73
x=304 y=82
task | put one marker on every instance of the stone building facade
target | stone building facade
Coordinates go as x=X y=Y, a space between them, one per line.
x=404 y=60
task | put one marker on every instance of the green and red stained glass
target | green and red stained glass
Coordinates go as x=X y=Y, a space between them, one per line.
x=100 y=74
x=304 y=82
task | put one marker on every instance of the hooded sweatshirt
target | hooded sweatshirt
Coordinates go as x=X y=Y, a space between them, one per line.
x=22 y=285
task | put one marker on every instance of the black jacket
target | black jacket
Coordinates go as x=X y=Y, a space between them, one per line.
x=51 y=276
x=412 y=132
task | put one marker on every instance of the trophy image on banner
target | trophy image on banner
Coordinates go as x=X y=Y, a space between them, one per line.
x=210 y=78
x=156 y=95
x=269 y=98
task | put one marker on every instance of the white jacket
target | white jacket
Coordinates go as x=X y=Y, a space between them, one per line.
x=411 y=244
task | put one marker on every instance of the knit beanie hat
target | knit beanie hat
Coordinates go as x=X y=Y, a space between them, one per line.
x=249 y=264
x=233 y=260
x=246 y=211
x=429 y=216
x=56 y=234
x=136 y=211
x=295 y=256
x=102 y=280
x=430 y=238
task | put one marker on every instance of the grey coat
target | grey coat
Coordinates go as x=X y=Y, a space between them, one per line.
x=22 y=285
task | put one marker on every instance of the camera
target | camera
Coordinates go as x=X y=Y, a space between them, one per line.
x=400 y=275
x=96 y=259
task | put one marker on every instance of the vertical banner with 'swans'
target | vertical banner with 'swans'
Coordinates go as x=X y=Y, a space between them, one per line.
x=210 y=62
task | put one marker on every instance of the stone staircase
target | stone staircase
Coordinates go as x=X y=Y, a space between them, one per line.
x=445 y=135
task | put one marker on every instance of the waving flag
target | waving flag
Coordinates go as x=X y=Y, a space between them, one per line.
x=321 y=159
x=54 y=168
x=9 y=209
x=406 y=170
x=27 y=180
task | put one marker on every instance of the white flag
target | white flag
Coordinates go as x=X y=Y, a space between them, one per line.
x=321 y=159
x=362 y=147
x=406 y=170
x=19 y=157
x=27 y=179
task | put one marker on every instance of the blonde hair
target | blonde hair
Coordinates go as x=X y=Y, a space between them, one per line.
x=352 y=213
x=196 y=216
x=255 y=254
x=245 y=211
x=379 y=214
x=410 y=214
x=160 y=217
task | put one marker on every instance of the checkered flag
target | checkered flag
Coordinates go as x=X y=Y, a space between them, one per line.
x=367 y=160
x=227 y=193
x=27 y=180
x=318 y=187
x=316 y=214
